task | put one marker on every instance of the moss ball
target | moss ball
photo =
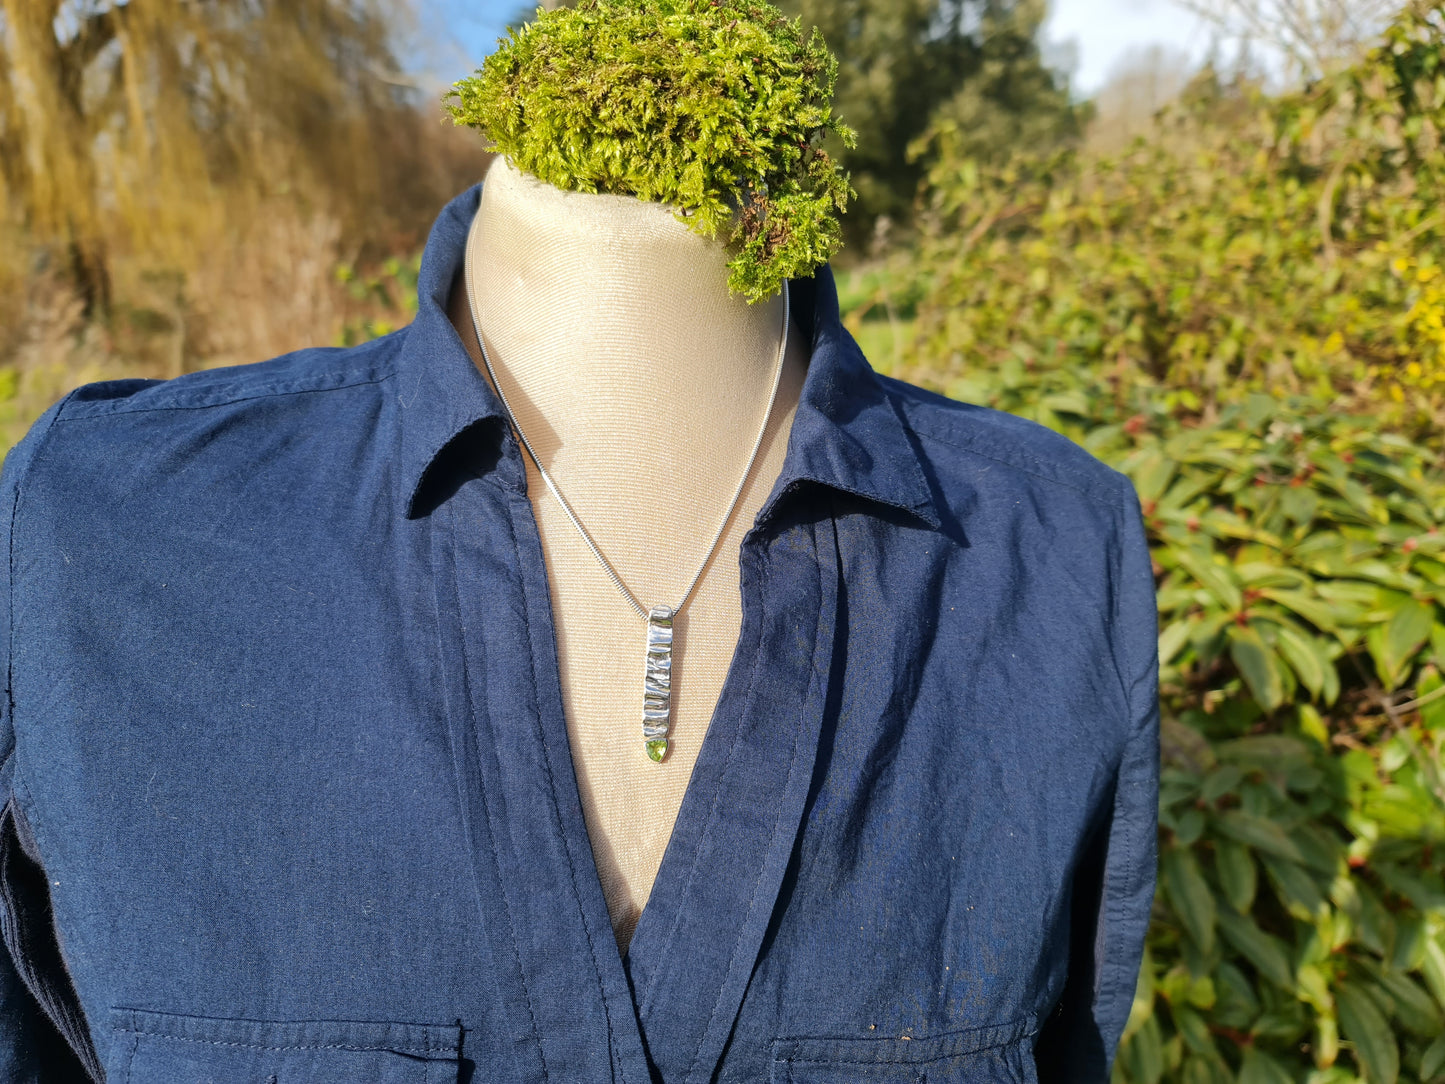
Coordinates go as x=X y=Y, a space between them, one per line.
x=717 y=107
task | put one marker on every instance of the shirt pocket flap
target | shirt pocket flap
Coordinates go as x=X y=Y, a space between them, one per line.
x=159 y=1048
x=999 y=1054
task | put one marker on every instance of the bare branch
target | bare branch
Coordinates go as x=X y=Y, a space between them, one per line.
x=1314 y=35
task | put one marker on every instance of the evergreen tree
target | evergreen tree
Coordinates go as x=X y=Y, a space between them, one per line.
x=908 y=66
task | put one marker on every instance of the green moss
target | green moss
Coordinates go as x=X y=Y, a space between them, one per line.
x=718 y=107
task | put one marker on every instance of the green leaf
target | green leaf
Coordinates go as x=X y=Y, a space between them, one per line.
x=1377 y=926
x=1432 y=713
x=1259 y=1068
x=1258 y=665
x=1259 y=833
x=1432 y=968
x=1306 y=657
x=1173 y=637
x=1201 y=993
x=1313 y=988
x=1223 y=780
x=1188 y=828
x=1300 y=505
x=1375 y=642
x=1189 y=895
x=1194 y=1030
x=1432 y=1063
x=1266 y=952
x=1205 y=1069
x=1294 y=886
x=1151 y=472
x=1216 y=579
x=1406 y=633
x=1236 y=1005
x=1322 y=615
x=1285 y=1024
x=1270 y=574
x=1266 y=750
x=1321 y=846
x=1238 y=877
x=1312 y=725
x=1362 y=1024
x=1181 y=744
x=1142 y=1055
x=1414 y=1008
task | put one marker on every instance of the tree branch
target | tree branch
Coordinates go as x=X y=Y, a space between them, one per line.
x=95 y=33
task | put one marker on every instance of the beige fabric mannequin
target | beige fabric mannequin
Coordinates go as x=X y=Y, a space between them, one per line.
x=641 y=384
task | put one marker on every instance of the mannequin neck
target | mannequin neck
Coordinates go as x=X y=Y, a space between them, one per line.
x=617 y=294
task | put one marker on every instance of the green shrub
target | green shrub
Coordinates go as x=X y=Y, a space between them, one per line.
x=1300 y=926
x=1245 y=313
x=1289 y=245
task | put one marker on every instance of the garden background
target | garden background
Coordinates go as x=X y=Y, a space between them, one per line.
x=1238 y=300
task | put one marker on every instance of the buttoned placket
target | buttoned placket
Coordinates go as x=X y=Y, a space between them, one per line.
x=588 y=1014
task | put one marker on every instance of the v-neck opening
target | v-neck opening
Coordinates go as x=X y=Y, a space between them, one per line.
x=740 y=811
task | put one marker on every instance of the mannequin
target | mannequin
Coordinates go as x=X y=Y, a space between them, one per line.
x=641 y=383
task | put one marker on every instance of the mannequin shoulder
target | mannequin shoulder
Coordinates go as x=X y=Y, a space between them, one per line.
x=976 y=446
x=115 y=433
x=312 y=369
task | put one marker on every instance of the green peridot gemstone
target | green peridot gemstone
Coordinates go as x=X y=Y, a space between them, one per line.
x=657 y=749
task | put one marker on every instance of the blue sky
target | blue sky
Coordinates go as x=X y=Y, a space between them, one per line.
x=1100 y=32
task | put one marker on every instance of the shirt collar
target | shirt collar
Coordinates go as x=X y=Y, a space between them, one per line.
x=846 y=433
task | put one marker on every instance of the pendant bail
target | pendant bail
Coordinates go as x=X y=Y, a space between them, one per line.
x=657 y=683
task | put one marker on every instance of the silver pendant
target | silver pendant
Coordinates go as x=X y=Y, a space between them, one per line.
x=657 y=683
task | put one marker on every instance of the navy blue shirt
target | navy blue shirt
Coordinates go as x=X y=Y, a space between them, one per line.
x=287 y=790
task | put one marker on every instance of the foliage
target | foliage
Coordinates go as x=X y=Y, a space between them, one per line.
x=906 y=63
x=1288 y=245
x=387 y=299
x=1244 y=314
x=1302 y=617
x=1299 y=926
x=151 y=136
x=718 y=107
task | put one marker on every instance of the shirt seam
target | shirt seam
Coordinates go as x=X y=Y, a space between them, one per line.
x=814 y=683
x=1034 y=472
x=424 y=1049
x=80 y=415
x=552 y=786
x=1122 y=663
x=494 y=835
x=10 y=756
x=1106 y=994
x=665 y=972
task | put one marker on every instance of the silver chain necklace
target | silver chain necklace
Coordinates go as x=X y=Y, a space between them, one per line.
x=657 y=674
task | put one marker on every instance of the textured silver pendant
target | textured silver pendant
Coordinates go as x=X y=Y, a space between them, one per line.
x=657 y=683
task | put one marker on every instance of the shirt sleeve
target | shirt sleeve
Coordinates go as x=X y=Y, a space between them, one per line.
x=1113 y=888
x=37 y=1001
